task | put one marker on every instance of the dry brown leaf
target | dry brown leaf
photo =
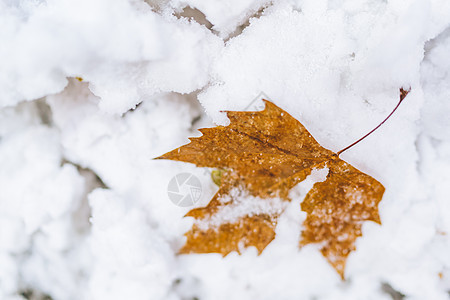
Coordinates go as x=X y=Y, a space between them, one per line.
x=263 y=155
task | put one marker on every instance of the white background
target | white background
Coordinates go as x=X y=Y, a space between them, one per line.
x=84 y=211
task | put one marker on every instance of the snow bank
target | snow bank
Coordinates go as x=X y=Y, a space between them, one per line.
x=124 y=50
x=84 y=211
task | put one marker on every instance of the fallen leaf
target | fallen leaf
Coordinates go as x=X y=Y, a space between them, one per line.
x=262 y=155
x=336 y=209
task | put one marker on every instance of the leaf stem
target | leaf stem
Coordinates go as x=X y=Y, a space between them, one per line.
x=403 y=94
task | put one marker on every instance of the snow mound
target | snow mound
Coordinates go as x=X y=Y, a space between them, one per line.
x=91 y=91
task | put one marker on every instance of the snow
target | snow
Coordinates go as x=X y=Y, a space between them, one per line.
x=84 y=211
x=224 y=16
x=122 y=48
x=245 y=205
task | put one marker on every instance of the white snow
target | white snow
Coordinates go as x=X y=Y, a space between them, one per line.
x=241 y=205
x=84 y=210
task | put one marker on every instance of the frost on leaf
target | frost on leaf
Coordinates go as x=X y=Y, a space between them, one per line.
x=263 y=155
x=336 y=209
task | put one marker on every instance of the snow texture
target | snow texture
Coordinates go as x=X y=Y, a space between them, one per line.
x=92 y=90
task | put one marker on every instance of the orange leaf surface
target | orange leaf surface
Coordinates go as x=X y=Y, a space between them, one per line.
x=264 y=154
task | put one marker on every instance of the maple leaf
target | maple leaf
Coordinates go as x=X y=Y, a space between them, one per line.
x=262 y=155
